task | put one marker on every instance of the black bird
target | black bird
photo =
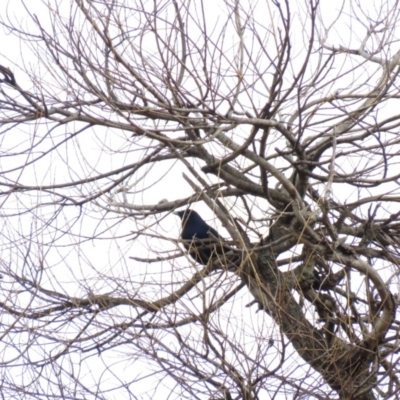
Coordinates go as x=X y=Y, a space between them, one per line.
x=202 y=241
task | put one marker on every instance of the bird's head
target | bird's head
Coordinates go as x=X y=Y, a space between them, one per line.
x=186 y=214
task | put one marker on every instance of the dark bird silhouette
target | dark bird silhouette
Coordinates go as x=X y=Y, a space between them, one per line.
x=202 y=241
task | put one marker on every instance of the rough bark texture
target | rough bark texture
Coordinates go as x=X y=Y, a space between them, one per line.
x=114 y=114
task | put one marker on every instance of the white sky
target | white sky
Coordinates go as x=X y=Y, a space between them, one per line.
x=103 y=264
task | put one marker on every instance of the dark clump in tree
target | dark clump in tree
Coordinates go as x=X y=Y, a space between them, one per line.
x=278 y=122
x=203 y=242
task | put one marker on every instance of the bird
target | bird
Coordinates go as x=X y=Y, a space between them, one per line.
x=202 y=241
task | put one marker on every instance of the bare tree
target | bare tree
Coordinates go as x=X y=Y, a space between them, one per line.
x=278 y=119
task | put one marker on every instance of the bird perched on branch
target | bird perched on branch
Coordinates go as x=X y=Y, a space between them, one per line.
x=202 y=241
